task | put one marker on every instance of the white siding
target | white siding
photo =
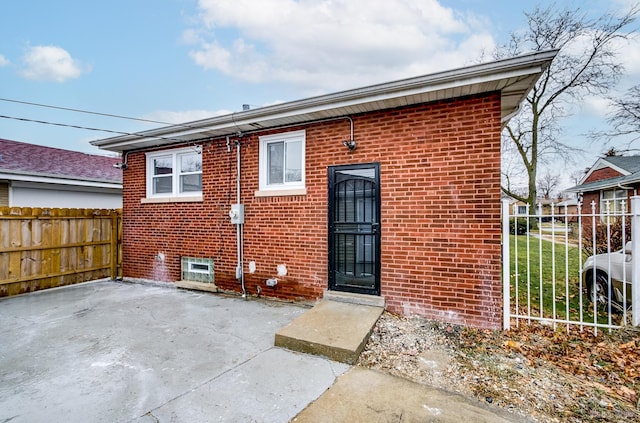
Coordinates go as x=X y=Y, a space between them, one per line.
x=56 y=196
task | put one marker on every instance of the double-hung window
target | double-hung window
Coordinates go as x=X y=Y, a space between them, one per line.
x=613 y=202
x=175 y=174
x=282 y=164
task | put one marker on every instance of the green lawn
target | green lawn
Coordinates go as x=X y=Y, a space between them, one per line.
x=553 y=271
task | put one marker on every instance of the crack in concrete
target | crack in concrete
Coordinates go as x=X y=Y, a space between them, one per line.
x=188 y=391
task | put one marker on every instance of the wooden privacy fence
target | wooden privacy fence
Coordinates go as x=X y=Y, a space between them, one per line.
x=44 y=248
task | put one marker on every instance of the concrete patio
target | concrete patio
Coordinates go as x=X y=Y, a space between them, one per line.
x=119 y=352
x=113 y=352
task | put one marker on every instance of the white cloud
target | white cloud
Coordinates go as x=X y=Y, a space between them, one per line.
x=333 y=44
x=629 y=53
x=597 y=106
x=50 y=63
x=623 y=6
x=3 y=61
x=183 y=116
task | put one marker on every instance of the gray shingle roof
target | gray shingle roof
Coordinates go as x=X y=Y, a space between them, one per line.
x=630 y=164
x=30 y=159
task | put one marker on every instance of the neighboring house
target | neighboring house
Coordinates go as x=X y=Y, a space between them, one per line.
x=391 y=189
x=567 y=207
x=609 y=184
x=36 y=176
x=543 y=208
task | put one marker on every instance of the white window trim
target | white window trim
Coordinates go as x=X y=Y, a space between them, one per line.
x=175 y=194
x=615 y=203
x=287 y=188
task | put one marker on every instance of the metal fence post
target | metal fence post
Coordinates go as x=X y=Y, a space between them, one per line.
x=506 y=265
x=635 y=260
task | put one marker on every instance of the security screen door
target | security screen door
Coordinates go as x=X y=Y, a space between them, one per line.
x=354 y=228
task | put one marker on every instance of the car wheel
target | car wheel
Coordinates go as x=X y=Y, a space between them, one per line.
x=601 y=289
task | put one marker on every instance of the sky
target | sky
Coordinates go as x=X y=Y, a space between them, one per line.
x=173 y=61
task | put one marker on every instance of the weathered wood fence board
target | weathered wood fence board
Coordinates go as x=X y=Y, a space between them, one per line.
x=45 y=248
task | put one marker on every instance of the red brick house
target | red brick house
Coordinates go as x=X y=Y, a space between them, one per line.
x=610 y=182
x=391 y=190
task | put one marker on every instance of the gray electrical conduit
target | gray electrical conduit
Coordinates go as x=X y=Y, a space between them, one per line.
x=239 y=226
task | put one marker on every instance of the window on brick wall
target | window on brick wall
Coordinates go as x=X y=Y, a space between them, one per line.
x=174 y=173
x=281 y=167
x=613 y=201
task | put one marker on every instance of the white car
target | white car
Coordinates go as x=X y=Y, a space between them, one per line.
x=614 y=267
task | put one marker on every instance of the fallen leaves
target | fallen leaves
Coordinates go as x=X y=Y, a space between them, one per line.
x=511 y=344
x=533 y=370
x=610 y=357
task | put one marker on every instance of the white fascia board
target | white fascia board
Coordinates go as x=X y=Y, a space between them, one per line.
x=348 y=102
x=57 y=180
x=530 y=64
x=231 y=122
x=286 y=110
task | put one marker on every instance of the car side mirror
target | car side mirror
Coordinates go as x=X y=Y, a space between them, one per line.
x=627 y=248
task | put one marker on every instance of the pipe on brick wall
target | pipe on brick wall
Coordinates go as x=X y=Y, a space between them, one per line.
x=239 y=226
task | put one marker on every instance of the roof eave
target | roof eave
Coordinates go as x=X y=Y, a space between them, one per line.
x=513 y=77
x=12 y=175
x=617 y=182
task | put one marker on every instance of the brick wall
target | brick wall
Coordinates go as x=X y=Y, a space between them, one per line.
x=440 y=218
x=588 y=199
x=600 y=174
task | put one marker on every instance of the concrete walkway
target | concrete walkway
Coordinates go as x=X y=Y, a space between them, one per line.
x=117 y=352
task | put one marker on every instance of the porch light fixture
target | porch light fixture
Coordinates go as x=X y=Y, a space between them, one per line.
x=350 y=144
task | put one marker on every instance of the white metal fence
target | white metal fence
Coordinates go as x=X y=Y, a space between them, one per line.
x=574 y=268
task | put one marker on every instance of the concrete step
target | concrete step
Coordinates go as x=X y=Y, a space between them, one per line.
x=349 y=297
x=197 y=286
x=334 y=329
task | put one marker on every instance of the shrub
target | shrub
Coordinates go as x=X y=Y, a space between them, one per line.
x=601 y=246
x=518 y=226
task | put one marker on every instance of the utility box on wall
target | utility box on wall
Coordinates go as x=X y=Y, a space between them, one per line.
x=237 y=214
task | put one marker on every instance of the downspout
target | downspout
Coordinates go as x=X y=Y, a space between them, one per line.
x=239 y=227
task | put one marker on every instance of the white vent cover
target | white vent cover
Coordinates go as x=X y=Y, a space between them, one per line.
x=197 y=269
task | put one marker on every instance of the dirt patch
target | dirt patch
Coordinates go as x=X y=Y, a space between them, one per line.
x=536 y=371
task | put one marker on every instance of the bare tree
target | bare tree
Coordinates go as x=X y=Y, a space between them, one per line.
x=547 y=184
x=626 y=116
x=577 y=175
x=586 y=63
